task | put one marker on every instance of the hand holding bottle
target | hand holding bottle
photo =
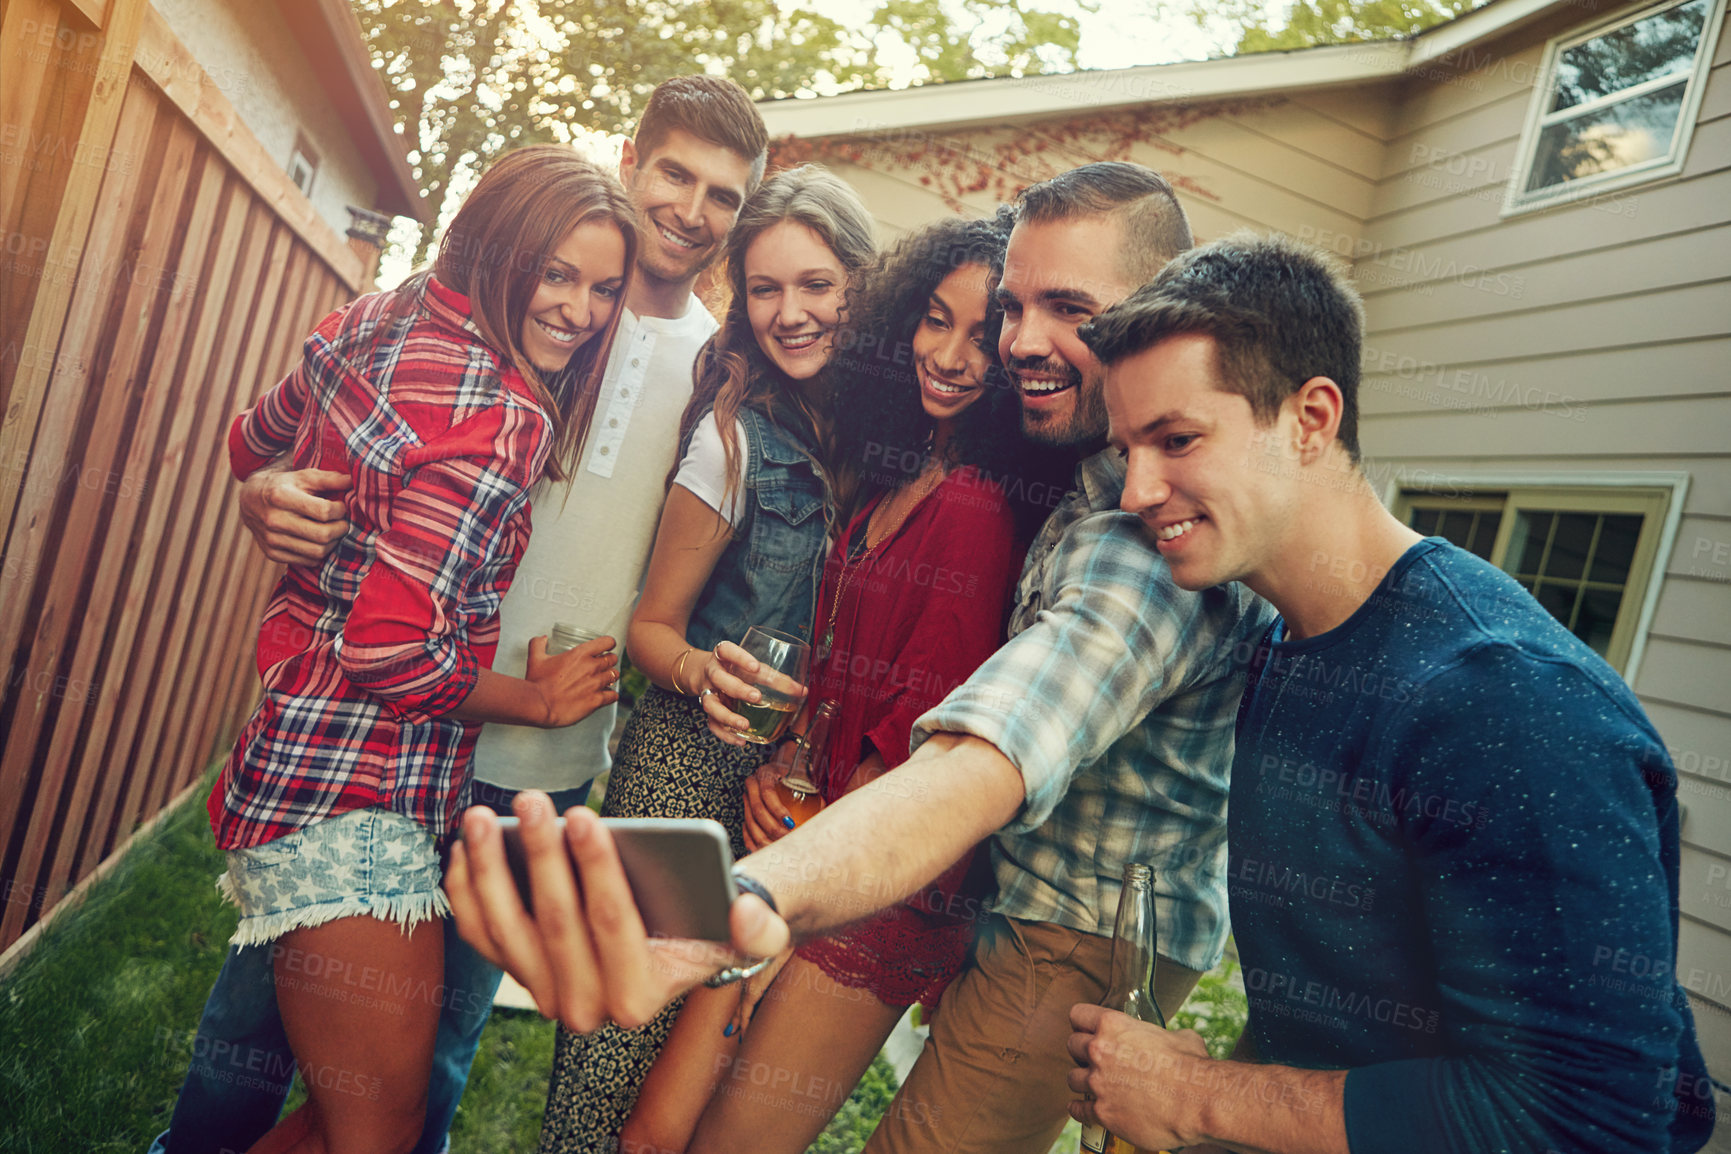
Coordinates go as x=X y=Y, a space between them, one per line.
x=1129 y=1074
x=766 y=818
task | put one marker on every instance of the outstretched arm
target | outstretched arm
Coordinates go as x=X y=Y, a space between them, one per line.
x=584 y=955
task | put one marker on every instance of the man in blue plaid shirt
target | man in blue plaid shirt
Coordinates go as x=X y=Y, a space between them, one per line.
x=1100 y=734
x=1114 y=700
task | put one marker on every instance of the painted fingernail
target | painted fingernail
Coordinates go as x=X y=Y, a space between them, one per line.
x=727 y=1030
x=788 y=822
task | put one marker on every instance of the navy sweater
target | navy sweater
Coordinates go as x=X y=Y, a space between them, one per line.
x=1453 y=839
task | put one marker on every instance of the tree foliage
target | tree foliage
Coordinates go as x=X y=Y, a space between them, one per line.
x=469 y=79
x=1308 y=23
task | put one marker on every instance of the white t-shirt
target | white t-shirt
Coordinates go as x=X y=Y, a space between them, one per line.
x=590 y=542
x=704 y=467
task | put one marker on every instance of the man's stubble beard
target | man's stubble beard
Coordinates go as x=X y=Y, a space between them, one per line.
x=1086 y=424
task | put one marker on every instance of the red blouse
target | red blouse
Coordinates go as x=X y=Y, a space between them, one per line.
x=917 y=615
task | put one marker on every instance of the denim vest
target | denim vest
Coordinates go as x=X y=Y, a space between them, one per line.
x=769 y=573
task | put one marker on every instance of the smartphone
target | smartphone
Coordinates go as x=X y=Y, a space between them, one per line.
x=680 y=871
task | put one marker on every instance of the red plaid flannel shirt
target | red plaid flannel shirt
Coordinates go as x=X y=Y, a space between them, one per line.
x=364 y=655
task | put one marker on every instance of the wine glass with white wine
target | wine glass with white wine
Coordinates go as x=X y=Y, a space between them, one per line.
x=780 y=678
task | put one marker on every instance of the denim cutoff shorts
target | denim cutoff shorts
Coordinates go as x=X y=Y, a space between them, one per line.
x=366 y=861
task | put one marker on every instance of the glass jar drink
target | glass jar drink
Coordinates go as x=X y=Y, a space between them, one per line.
x=566 y=636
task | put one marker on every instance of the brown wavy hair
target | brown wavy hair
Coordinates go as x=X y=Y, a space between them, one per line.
x=495 y=252
x=732 y=372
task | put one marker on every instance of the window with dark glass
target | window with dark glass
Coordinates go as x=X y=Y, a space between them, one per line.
x=1616 y=102
x=1585 y=555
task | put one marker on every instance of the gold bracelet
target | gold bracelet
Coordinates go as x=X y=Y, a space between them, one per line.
x=679 y=667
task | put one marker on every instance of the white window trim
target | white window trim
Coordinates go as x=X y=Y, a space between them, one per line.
x=1517 y=202
x=1678 y=483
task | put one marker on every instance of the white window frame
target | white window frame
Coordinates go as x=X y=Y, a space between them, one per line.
x=1517 y=201
x=1408 y=482
x=304 y=154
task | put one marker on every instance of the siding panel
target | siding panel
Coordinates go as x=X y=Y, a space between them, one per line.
x=1697 y=199
x=1704 y=969
x=1298 y=127
x=1700 y=743
x=1487 y=124
x=1669 y=314
x=1692 y=675
x=1687 y=425
x=1369 y=111
x=1691 y=608
x=1441 y=96
x=1391 y=385
x=1707 y=813
x=1704 y=888
x=1703 y=551
x=1665 y=263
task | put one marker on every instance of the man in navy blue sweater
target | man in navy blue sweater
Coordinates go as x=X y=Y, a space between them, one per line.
x=1449 y=819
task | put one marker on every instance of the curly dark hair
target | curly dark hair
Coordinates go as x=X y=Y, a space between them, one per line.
x=882 y=434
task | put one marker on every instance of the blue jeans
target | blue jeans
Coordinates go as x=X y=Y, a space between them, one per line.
x=242 y=1065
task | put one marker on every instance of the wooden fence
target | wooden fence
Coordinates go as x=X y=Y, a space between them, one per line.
x=159 y=271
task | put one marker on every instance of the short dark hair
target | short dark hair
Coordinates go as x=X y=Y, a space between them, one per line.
x=1155 y=227
x=711 y=108
x=1280 y=312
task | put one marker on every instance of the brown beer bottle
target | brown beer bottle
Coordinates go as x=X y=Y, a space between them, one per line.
x=797 y=789
x=1134 y=941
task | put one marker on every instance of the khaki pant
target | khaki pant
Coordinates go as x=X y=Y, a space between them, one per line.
x=992 y=1077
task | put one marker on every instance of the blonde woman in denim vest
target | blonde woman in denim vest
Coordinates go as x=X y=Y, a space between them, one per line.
x=742 y=542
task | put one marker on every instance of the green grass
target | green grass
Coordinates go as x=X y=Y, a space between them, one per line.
x=97 y=1024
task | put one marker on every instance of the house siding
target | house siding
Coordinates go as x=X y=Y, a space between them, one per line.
x=1588 y=338
x=1281 y=163
x=250 y=54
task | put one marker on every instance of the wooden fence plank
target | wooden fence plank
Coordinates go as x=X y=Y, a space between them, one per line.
x=82 y=359
x=191 y=441
x=94 y=509
x=259 y=241
x=193 y=681
x=72 y=226
x=111 y=623
x=36 y=525
x=234 y=624
x=43 y=101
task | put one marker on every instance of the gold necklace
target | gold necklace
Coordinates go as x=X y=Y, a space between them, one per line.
x=922 y=489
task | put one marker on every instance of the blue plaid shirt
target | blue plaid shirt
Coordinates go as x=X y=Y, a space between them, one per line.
x=1115 y=698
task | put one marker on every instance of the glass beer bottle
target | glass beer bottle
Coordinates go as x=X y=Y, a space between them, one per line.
x=797 y=790
x=1134 y=940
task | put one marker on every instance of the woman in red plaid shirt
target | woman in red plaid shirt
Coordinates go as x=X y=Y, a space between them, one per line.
x=437 y=405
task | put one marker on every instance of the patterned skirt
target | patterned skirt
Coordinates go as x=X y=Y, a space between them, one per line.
x=669 y=765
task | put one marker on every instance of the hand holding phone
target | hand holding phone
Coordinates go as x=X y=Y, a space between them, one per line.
x=585 y=956
x=680 y=871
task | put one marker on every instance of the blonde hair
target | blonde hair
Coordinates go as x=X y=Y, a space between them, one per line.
x=731 y=371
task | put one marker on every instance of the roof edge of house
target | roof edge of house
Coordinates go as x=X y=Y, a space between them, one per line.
x=330 y=35
x=971 y=103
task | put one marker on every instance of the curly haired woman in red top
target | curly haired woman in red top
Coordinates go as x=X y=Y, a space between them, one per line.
x=440 y=404
x=914 y=598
